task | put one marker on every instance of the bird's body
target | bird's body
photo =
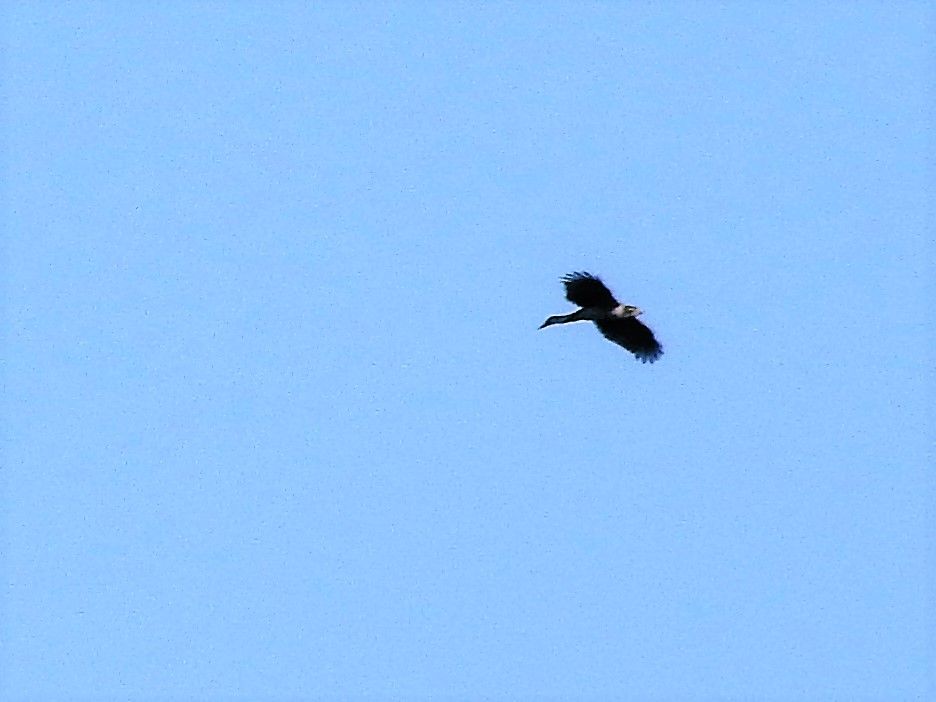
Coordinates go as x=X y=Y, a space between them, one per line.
x=616 y=322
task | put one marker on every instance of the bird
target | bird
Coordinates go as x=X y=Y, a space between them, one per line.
x=616 y=322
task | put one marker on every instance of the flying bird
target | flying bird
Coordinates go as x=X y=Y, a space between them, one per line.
x=617 y=322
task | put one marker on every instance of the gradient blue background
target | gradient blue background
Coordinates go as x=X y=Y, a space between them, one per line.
x=278 y=423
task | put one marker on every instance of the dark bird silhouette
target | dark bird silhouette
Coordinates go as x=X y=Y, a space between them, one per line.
x=617 y=322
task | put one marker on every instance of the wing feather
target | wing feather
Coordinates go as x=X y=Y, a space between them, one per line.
x=586 y=290
x=633 y=335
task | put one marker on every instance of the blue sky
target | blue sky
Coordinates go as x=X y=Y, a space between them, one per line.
x=279 y=424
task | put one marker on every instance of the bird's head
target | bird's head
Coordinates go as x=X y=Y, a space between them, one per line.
x=624 y=311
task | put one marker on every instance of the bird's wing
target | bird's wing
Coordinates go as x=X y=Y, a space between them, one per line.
x=633 y=335
x=585 y=290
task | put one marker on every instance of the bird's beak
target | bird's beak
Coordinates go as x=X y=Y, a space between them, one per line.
x=637 y=312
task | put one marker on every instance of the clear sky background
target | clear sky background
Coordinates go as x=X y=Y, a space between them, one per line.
x=278 y=422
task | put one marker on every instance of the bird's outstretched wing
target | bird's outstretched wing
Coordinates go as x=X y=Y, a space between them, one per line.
x=633 y=335
x=586 y=290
